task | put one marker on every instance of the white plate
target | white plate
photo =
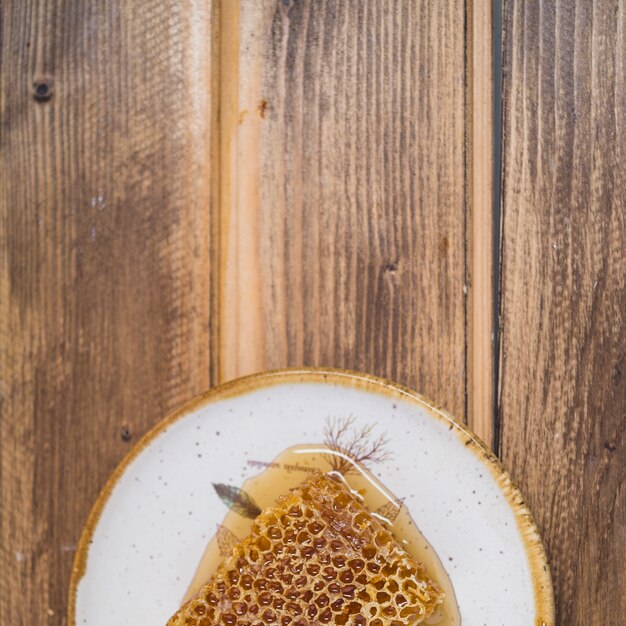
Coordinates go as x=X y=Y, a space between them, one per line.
x=153 y=519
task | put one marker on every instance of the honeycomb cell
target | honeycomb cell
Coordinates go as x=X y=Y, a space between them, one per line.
x=319 y=543
x=356 y=565
x=360 y=519
x=364 y=596
x=329 y=573
x=313 y=569
x=307 y=552
x=334 y=588
x=319 y=557
x=295 y=511
x=322 y=600
x=240 y=608
x=353 y=608
x=382 y=538
x=274 y=533
x=369 y=552
x=294 y=608
x=339 y=561
x=346 y=576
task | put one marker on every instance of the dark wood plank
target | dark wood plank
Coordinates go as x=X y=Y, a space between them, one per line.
x=563 y=342
x=347 y=229
x=105 y=261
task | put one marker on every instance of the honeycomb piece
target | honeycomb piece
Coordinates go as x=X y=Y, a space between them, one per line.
x=318 y=557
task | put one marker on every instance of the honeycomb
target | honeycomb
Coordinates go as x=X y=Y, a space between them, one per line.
x=318 y=557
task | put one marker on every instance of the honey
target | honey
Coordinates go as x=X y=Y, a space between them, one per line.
x=287 y=472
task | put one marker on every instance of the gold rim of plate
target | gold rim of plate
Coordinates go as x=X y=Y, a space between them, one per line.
x=540 y=571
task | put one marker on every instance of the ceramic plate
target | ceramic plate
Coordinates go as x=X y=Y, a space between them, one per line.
x=152 y=522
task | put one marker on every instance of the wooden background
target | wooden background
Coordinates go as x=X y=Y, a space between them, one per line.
x=206 y=188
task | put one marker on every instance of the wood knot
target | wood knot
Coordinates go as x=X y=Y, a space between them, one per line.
x=125 y=433
x=43 y=88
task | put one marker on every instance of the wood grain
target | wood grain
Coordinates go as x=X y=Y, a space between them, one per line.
x=347 y=242
x=480 y=220
x=563 y=323
x=215 y=188
x=480 y=237
x=105 y=255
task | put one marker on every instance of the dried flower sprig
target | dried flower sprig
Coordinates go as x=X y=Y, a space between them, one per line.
x=356 y=444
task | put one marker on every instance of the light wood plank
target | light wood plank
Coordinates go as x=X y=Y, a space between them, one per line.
x=350 y=169
x=480 y=387
x=105 y=262
x=563 y=328
x=242 y=346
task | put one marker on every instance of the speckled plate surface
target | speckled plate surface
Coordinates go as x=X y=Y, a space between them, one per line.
x=152 y=521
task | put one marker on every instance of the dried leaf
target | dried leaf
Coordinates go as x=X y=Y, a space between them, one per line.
x=237 y=500
x=390 y=510
x=226 y=540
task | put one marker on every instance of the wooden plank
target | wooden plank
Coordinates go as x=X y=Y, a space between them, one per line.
x=105 y=261
x=347 y=221
x=563 y=327
x=241 y=336
x=480 y=237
